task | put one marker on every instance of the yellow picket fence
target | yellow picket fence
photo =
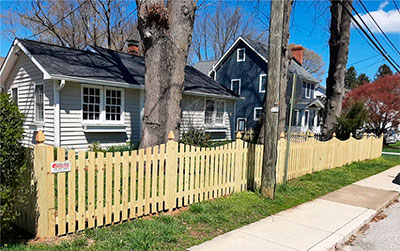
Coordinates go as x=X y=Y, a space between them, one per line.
x=103 y=189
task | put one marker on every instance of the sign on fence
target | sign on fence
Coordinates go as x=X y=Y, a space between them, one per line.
x=60 y=167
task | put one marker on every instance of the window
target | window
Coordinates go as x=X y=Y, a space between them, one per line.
x=102 y=104
x=307 y=90
x=296 y=118
x=306 y=118
x=214 y=112
x=91 y=103
x=14 y=95
x=236 y=86
x=312 y=118
x=39 y=108
x=241 y=124
x=262 y=83
x=240 y=55
x=113 y=105
x=258 y=113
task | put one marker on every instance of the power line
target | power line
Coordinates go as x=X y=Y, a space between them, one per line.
x=377 y=25
x=369 y=38
x=397 y=7
x=363 y=60
x=59 y=21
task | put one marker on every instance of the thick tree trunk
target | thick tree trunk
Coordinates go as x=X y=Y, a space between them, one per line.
x=338 y=53
x=272 y=100
x=166 y=31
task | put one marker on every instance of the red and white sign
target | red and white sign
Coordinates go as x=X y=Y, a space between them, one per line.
x=60 y=167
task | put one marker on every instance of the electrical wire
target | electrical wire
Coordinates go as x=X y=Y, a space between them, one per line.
x=377 y=25
x=369 y=38
x=397 y=7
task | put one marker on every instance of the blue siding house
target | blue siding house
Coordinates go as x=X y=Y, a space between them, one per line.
x=243 y=69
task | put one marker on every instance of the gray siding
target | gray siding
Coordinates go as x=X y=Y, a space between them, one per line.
x=24 y=76
x=72 y=131
x=193 y=116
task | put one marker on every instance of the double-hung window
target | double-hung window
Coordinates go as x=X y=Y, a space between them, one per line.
x=102 y=104
x=262 y=83
x=214 y=112
x=236 y=85
x=39 y=105
x=258 y=112
x=14 y=95
x=240 y=54
x=296 y=118
x=307 y=90
x=91 y=103
x=306 y=118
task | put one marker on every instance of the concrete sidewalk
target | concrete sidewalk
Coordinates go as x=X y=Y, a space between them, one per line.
x=316 y=225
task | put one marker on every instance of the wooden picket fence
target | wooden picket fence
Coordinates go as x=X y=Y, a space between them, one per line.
x=103 y=189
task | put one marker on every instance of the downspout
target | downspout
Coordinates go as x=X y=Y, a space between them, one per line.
x=57 y=130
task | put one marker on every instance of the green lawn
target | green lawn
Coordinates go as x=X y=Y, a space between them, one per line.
x=206 y=220
x=394 y=148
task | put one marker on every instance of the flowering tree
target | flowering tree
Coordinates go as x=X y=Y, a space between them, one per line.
x=382 y=101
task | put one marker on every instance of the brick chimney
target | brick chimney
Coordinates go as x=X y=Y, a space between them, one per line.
x=133 y=47
x=297 y=53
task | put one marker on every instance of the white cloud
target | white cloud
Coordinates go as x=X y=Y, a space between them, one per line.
x=389 y=21
x=383 y=5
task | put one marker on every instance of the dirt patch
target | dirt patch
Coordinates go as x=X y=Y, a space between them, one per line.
x=51 y=241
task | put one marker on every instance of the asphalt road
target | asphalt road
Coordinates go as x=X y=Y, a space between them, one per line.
x=383 y=235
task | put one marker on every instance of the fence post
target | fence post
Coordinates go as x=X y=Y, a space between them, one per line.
x=171 y=172
x=44 y=209
x=238 y=161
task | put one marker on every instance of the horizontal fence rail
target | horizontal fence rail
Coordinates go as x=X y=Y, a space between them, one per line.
x=106 y=188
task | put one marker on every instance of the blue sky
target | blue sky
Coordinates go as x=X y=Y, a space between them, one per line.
x=310 y=28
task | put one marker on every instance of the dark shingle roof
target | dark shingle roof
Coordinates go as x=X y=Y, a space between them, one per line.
x=294 y=67
x=109 y=65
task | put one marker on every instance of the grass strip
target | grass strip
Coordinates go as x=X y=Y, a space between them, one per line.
x=203 y=221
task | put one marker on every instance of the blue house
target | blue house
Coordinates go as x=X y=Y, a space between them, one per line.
x=243 y=69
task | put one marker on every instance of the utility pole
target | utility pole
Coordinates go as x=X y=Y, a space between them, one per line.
x=272 y=100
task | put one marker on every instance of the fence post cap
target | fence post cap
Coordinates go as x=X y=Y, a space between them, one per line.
x=365 y=134
x=351 y=134
x=238 y=135
x=282 y=135
x=333 y=135
x=171 y=135
x=40 y=137
x=310 y=134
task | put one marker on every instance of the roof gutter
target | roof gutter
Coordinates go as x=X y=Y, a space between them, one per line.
x=191 y=93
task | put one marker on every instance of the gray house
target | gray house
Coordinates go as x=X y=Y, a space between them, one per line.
x=78 y=97
x=243 y=69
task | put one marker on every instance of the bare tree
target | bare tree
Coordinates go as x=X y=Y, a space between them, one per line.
x=215 y=31
x=74 y=24
x=338 y=54
x=166 y=31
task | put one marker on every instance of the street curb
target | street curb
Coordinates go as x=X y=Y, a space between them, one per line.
x=359 y=225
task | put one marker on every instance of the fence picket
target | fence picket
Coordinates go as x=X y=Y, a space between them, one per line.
x=100 y=190
x=81 y=191
x=91 y=187
x=71 y=193
x=140 y=182
x=61 y=194
x=117 y=187
x=125 y=193
x=133 y=202
x=109 y=180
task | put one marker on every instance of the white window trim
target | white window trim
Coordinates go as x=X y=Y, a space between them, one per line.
x=296 y=114
x=15 y=87
x=213 y=124
x=254 y=113
x=237 y=123
x=260 y=90
x=307 y=90
x=240 y=85
x=244 y=55
x=102 y=118
x=306 y=124
x=35 y=111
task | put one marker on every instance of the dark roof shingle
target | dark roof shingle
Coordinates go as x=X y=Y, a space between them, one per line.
x=108 y=65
